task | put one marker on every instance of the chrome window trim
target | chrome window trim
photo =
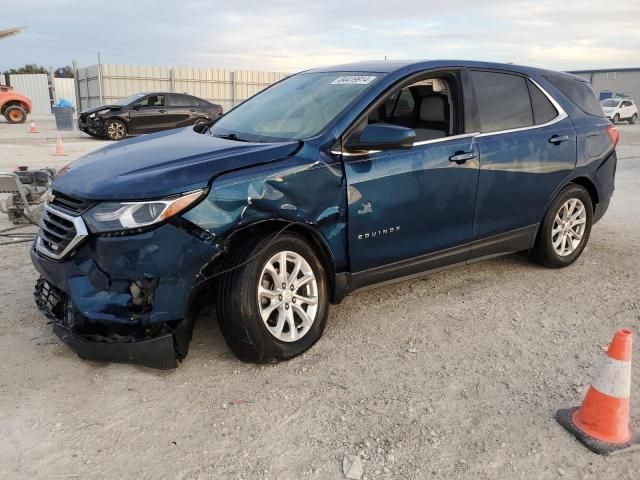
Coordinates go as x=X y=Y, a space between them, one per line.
x=81 y=233
x=444 y=139
x=561 y=115
x=415 y=144
x=558 y=118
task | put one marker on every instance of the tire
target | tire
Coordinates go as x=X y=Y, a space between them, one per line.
x=549 y=249
x=240 y=310
x=633 y=119
x=616 y=119
x=15 y=114
x=115 y=129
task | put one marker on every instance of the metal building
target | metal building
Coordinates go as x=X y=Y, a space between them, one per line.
x=622 y=82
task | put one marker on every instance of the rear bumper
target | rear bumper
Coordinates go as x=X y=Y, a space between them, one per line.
x=600 y=209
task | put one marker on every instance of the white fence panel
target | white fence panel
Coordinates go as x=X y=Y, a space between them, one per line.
x=89 y=86
x=65 y=88
x=36 y=87
x=225 y=87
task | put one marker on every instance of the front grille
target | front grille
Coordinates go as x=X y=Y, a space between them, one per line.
x=59 y=233
x=71 y=204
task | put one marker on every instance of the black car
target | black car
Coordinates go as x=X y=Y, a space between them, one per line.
x=146 y=113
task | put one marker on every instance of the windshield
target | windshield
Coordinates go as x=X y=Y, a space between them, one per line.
x=131 y=99
x=299 y=107
x=609 y=102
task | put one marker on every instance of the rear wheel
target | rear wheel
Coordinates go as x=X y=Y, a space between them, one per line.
x=565 y=230
x=275 y=307
x=633 y=119
x=115 y=129
x=15 y=114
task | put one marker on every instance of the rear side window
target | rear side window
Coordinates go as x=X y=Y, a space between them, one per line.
x=182 y=101
x=503 y=101
x=543 y=109
x=580 y=93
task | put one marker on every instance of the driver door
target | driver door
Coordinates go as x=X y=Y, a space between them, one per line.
x=411 y=210
x=149 y=114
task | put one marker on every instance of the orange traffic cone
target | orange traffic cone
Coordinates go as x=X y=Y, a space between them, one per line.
x=602 y=422
x=59 y=147
x=32 y=127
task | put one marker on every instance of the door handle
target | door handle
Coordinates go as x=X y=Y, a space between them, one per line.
x=192 y=109
x=557 y=139
x=162 y=111
x=462 y=157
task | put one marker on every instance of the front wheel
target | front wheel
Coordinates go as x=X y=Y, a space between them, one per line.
x=276 y=306
x=15 y=114
x=115 y=129
x=633 y=119
x=565 y=229
x=616 y=119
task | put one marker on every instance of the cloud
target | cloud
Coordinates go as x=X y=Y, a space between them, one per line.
x=287 y=35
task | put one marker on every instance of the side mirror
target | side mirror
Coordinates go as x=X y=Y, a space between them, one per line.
x=383 y=136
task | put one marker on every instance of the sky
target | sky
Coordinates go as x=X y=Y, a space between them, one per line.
x=291 y=35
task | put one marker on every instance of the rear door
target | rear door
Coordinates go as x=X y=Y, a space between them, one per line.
x=527 y=148
x=182 y=110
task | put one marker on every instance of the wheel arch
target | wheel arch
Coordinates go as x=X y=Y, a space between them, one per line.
x=272 y=226
x=589 y=186
x=12 y=103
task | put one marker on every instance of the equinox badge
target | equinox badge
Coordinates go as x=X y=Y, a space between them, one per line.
x=378 y=233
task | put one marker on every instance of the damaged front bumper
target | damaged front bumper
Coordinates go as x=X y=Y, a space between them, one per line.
x=92 y=126
x=126 y=298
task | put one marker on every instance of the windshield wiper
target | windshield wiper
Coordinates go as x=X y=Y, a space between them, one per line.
x=231 y=136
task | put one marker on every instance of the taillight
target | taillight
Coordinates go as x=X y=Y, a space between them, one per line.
x=614 y=134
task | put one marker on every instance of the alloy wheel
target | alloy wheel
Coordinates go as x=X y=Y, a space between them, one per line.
x=569 y=227
x=288 y=296
x=116 y=130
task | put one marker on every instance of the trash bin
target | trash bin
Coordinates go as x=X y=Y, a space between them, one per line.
x=64 y=117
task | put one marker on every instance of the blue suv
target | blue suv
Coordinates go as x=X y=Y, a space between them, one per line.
x=330 y=181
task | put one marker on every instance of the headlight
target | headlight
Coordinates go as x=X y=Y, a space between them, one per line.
x=118 y=216
x=92 y=115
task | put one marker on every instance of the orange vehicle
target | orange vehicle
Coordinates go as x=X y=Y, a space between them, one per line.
x=14 y=105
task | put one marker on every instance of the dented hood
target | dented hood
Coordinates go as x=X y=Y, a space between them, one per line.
x=161 y=164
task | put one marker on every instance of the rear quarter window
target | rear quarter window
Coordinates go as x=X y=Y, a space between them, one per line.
x=579 y=92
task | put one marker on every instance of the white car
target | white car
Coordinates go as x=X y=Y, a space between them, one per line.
x=617 y=109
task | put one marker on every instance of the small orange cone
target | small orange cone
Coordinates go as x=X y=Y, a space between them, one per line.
x=33 y=128
x=59 y=147
x=602 y=422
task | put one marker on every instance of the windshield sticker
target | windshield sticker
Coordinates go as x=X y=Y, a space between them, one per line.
x=354 y=80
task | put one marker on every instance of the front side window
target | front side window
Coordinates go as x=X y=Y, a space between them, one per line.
x=296 y=108
x=426 y=106
x=503 y=101
x=152 y=101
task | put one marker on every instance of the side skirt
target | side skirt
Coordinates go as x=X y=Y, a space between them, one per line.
x=498 y=245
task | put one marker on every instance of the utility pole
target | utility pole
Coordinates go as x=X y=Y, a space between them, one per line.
x=99 y=80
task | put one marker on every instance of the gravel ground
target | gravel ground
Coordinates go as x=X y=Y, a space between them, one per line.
x=456 y=375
